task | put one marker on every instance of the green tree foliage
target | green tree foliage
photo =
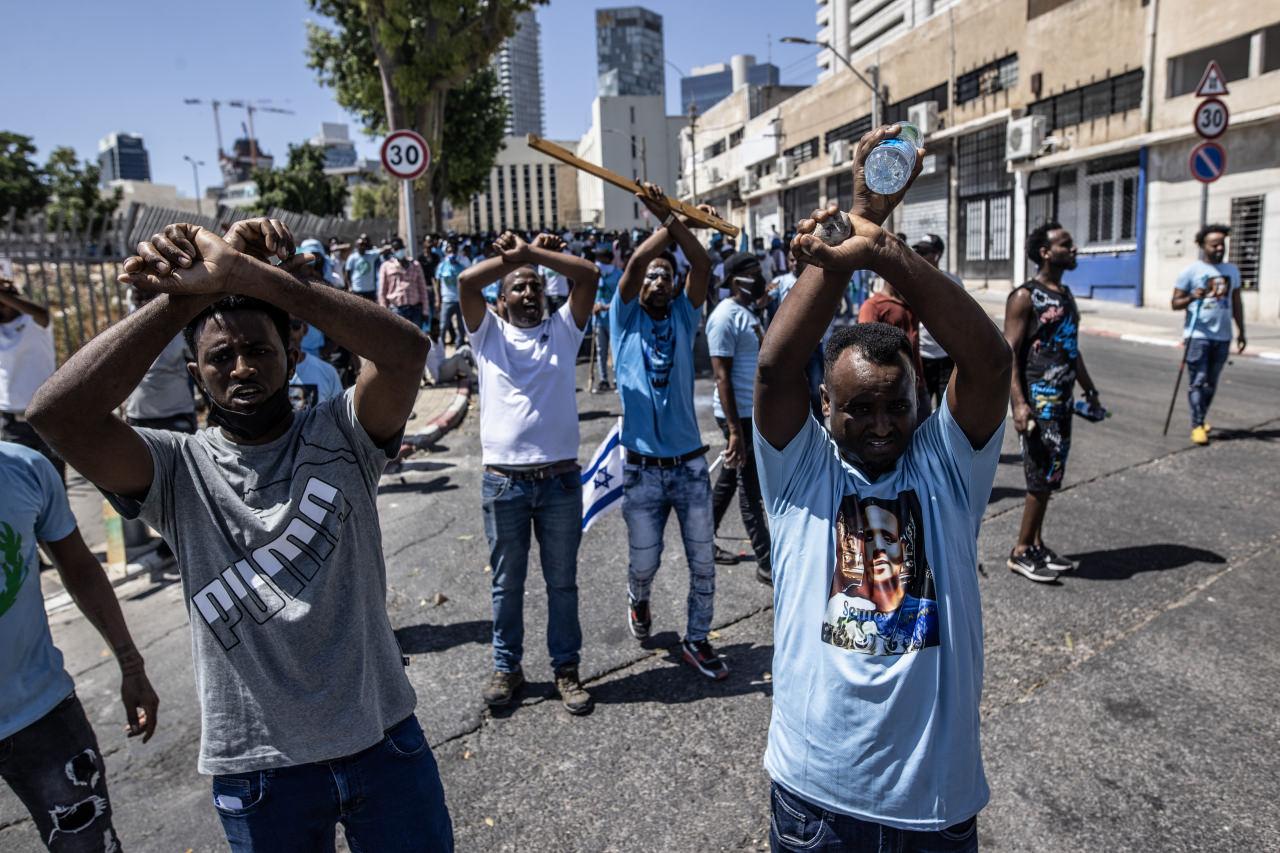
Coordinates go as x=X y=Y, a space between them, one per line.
x=301 y=185
x=475 y=117
x=375 y=200
x=393 y=63
x=75 y=200
x=20 y=184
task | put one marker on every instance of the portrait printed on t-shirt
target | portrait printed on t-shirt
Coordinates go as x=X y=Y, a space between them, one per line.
x=1217 y=287
x=304 y=396
x=882 y=599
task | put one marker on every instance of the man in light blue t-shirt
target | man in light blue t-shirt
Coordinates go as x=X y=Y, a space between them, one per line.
x=1209 y=291
x=452 y=329
x=877 y=668
x=653 y=327
x=362 y=269
x=734 y=333
x=314 y=380
x=49 y=754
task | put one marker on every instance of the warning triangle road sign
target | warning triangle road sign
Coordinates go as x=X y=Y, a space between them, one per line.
x=1214 y=83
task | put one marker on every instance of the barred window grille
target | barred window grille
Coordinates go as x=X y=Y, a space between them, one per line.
x=987 y=80
x=1096 y=100
x=981 y=163
x=1246 y=237
x=803 y=152
x=1113 y=209
x=852 y=131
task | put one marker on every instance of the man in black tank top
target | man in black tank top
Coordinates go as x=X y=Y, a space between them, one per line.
x=1042 y=325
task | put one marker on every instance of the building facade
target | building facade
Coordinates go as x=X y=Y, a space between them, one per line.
x=707 y=85
x=123 y=157
x=634 y=137
x=518 y=65
x=528 y=191
x=629 y=52
x=1077 y=111
x=855 y=27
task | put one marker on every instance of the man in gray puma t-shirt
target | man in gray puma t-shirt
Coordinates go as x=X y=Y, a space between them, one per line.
x=285 y=573
x=306 y=713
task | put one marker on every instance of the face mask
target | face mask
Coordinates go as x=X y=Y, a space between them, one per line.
x=251 y=425
x=400 y=254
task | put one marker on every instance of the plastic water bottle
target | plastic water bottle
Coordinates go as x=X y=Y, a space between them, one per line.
x=890 y=164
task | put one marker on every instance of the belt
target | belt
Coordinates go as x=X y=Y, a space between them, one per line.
x=542 y=472
x=13 y=417
x=643 y=461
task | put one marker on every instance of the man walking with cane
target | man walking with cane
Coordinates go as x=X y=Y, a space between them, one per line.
x=1209 y=292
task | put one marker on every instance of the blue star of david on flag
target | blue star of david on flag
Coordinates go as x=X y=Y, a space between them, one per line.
x=602 y=478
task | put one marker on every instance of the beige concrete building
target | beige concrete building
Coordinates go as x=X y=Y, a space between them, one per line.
x=1072 y=110
x=528 y=191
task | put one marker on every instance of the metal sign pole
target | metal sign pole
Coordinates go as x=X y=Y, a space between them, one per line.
x=408 y=219
x=1204 y=205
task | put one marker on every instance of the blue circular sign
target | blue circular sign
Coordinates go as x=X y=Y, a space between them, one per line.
x=1207 y=162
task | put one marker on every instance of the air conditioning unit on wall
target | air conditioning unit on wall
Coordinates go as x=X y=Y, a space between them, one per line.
x=839 y=152
x=1024 y=136
x=785 y=168
x=748 y=183
x=924 y=115
x=713 y=175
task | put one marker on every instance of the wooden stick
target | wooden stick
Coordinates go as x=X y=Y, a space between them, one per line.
x=701 y=217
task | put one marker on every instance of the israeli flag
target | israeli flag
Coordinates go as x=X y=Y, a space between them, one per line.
x=602 y=479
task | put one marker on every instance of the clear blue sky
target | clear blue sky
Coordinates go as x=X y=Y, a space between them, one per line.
x=74 y=71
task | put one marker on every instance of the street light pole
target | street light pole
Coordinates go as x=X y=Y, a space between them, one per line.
x=195 y=177
x=873 y=84
x=693 y=150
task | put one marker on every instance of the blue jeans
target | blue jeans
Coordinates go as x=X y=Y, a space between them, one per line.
x=600 y=329
x=451 y=325
x=1205 y=360
x=552 y=508
x=649 y=495
x=796 y=824
x=412 y=313
x=387 y=797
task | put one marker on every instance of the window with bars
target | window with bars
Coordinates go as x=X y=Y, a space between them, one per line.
x=1113 y=209
x=981 y=163
x=715 y=149
x=1106 y=97
x=1246 y=238
x=853 y=131
x=993 y=77
x=735 y=138
x=803 y=152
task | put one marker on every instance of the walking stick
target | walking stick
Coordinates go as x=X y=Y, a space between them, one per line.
x=591 y=363
x=1177 y=383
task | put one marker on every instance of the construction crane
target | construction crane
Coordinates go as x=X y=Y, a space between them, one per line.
x=217 y=126
x=250 y=107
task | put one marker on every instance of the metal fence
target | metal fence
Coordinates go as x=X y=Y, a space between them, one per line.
x=72 y=271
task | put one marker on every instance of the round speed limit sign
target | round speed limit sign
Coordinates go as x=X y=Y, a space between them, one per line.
x=405 y=154
x=1211 y=118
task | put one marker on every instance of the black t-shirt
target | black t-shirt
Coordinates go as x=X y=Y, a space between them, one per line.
x=1050 y=349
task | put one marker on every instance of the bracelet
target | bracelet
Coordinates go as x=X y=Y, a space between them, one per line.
x=671 y=215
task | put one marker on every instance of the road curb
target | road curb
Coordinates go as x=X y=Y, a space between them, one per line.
x=444 y=423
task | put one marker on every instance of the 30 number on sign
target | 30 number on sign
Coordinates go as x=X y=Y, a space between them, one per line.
x=1211 y=118
x=405 y=154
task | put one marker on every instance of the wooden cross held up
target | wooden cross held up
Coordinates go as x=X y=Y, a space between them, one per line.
x=699 y=216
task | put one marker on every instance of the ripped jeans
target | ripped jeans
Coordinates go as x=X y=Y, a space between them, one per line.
x=55 y=767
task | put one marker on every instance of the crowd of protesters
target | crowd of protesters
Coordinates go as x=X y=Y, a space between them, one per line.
x=862 y=454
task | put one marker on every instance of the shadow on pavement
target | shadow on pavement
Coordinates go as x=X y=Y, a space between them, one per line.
x=1237 y=434
x=1123 y=563
x=595 y=415
x=1010 y=458
x=999 y=493
x=426 y=638
x=426 y=487
x=747 y=666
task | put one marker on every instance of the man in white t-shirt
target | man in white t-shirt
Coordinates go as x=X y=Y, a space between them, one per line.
x=529 y=441
x=26 y=361
x=873 y=742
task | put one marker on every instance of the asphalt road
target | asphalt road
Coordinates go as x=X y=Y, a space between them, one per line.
x=1130 y=707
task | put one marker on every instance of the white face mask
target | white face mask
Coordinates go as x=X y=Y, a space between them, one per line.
x=400 y=254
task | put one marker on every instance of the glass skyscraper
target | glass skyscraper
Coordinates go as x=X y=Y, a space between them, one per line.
x=518 y=65
x=122 y=156
x=708 y=88
x=629 y=55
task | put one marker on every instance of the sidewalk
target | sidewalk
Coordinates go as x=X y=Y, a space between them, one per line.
x=1157 y=325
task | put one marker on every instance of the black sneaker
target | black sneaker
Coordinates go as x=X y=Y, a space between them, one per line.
x=573 y=695
x=502 y=688
x=1053 y=560
x=639 y=618
x=764 y=574
x=725 y=558
x=704 y=659
x=1031 y=567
